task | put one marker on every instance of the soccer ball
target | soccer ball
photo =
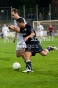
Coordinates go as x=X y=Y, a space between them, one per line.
x=16 y=66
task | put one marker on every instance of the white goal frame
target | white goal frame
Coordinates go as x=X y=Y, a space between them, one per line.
x=45 y=24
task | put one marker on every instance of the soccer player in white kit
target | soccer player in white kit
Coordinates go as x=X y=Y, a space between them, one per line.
x=5 y=31
x=40 y=32
x=21 y=45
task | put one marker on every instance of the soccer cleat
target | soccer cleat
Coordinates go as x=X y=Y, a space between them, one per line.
x=52 y=47
x=27 y=70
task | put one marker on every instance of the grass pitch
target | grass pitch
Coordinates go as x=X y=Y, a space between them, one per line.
x=45 y=73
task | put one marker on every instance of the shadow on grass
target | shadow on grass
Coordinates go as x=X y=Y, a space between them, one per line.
x=7 y=52
x=6 y=59
x=49 y=73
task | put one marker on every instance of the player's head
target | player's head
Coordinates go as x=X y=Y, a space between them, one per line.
x=21 y=23
x=14 y=13
x=4 y=25
x=38 y=23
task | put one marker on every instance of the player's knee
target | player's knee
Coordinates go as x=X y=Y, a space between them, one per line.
x=18 y=55
x=43 y=54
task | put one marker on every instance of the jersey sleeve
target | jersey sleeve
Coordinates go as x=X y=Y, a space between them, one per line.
x=31 y=30
x=15 y=23
x=42 y=27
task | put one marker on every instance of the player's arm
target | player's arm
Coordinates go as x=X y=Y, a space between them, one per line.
x=15 y=37
x=42 y=28
x=32 y=33
x=30 y=36
x=14 y=28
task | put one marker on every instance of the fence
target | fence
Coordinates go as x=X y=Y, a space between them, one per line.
x=30 y=14
x=35 y=13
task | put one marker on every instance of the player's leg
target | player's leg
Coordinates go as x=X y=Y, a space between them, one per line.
x=47 y=50
x=4 y=38
x=49 y=36
x=52 y=36
x=39 y=36
x=28 y=62
x=7 y=39
x=40 y=50
x=26 y=56
x=20 y=51
x=43 y=38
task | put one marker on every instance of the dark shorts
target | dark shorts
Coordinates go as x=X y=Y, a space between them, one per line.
x=34 y=47
x=50 y=33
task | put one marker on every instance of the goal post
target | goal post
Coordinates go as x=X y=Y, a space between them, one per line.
x=46 y=24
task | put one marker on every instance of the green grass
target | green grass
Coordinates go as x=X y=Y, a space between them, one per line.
x=45 y=73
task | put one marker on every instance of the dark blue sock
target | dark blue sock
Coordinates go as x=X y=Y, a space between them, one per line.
x=49 y=48
x=28 y=64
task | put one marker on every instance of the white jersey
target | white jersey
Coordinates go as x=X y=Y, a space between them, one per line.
x=40 y=30
x=21 y=43
x=20 y=36
x=5 y=31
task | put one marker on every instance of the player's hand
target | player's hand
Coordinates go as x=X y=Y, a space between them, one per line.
x=10 y=27
x=15 y=28
x=26 y=39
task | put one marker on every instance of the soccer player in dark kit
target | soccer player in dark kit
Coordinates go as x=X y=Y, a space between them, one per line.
x=33 y=45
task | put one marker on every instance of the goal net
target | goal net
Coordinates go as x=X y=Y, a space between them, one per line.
x=46 y=24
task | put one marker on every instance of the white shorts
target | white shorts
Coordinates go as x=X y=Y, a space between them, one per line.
x=40 y=34
x=5 y=35
x=20 y=45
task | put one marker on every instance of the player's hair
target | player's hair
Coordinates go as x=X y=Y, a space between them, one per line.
x=14 y=10
x=20 y=20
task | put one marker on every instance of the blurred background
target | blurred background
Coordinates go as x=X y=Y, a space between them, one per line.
x=31 y=10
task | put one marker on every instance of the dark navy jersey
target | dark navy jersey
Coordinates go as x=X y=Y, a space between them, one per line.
x=27 y=31
x=32 y=43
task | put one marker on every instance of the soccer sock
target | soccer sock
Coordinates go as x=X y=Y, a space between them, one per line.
x=7 y=39
x=28 y=64
x=49 y=48
x=4 y=39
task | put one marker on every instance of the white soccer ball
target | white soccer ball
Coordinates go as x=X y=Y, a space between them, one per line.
x=16 y=66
